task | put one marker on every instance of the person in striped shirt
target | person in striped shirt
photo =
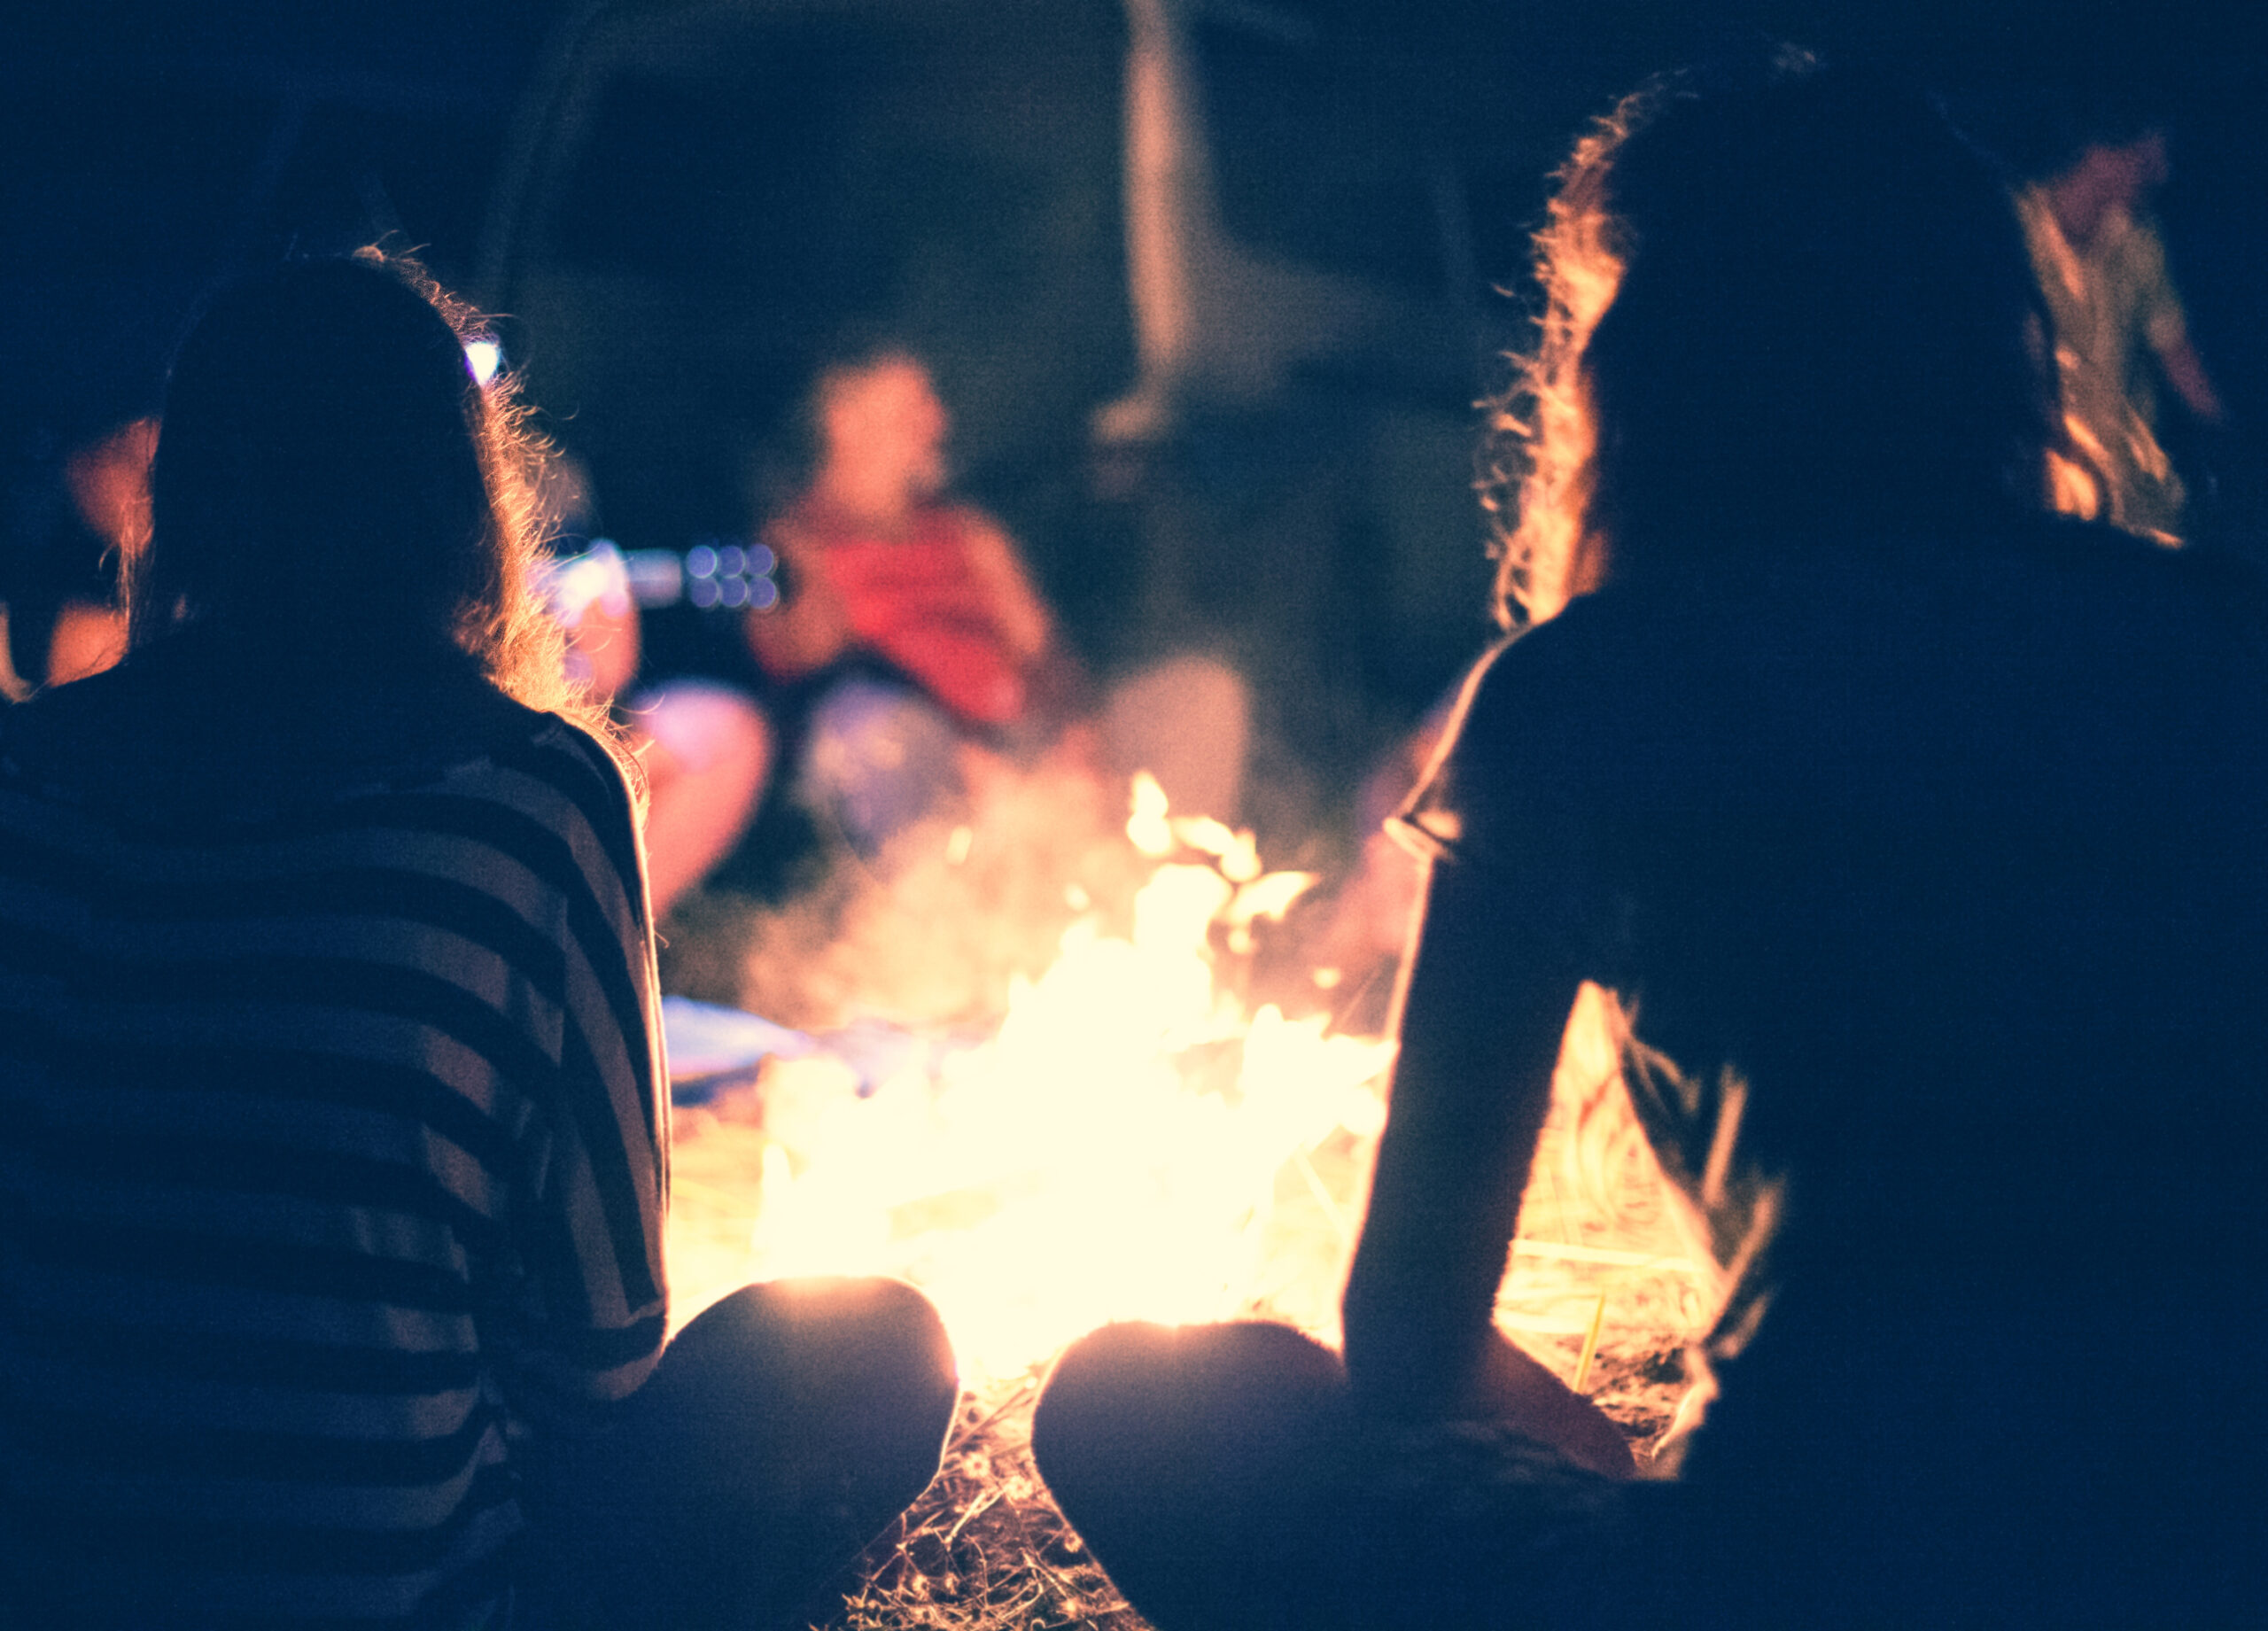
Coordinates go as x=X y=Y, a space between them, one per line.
x=333 y=1125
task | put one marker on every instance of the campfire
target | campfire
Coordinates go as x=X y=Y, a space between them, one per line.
x=1046 y=1084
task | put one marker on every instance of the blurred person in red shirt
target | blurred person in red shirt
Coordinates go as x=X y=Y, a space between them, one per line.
x=911 y=635
x=883 y=567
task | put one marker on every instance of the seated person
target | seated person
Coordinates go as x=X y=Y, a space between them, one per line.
x=704 y=746
x=1918 y=834
x=334 y=1166
x=912 y=633
x=64 y=621
x=2118 y=321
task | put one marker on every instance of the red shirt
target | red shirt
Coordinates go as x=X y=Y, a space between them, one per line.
x=919 y=600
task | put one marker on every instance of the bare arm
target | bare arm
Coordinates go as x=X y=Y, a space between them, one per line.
x=810 y=627
x=1481 y=1015
x=602 y=649
x=2165 y=326
x=1018 y=613
x=2185 y=370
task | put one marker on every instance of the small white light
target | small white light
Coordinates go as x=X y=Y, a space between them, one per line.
x=700 y=561
x=704 y=592
x=484 y=357
x=729 y=561
x=735 y=591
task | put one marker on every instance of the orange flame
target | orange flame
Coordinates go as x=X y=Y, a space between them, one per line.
x=1132 y=1142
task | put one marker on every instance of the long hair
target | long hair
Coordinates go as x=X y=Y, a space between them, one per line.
x=336 y=495
x=1796 y=306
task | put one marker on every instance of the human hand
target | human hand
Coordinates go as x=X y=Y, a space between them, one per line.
x=809 y=627
x=1508 y=1386
x=589 y=597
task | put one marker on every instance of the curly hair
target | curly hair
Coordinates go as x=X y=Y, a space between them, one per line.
x=1776 y=305
x=335 y=489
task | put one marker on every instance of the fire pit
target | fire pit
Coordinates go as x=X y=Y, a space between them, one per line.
x=1131 y=1136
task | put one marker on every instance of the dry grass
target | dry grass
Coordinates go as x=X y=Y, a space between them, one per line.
x=984 y=1548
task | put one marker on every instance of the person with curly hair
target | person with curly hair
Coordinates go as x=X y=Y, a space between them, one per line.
x=1916 y=834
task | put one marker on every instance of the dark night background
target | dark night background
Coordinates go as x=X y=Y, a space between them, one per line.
x=150 y=149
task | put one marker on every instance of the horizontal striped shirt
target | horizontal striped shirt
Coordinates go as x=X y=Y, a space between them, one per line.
x=332 y=1141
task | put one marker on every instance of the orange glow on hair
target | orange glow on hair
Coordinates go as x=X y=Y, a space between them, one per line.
x=1537 y=485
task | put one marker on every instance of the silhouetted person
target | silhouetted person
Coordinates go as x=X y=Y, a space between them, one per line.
x=333 y=1158
x=1920 y=836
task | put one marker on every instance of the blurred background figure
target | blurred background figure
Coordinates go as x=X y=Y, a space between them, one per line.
x=910 y=635
x=109 y=484
x=908 y=623
x=62 y=618
x=706 y=747
x=2119 y=323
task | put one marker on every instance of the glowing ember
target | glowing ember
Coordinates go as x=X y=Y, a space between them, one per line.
x=1130 y=1142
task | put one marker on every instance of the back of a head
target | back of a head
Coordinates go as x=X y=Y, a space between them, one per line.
x=2064 y=126
x=1822 y=322
x=322 y=486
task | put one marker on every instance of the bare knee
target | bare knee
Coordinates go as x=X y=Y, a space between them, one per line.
x=1161 y=1402
x=709 y=730
x=1089 y=1385
x=831 y=1332
x=711 y=755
